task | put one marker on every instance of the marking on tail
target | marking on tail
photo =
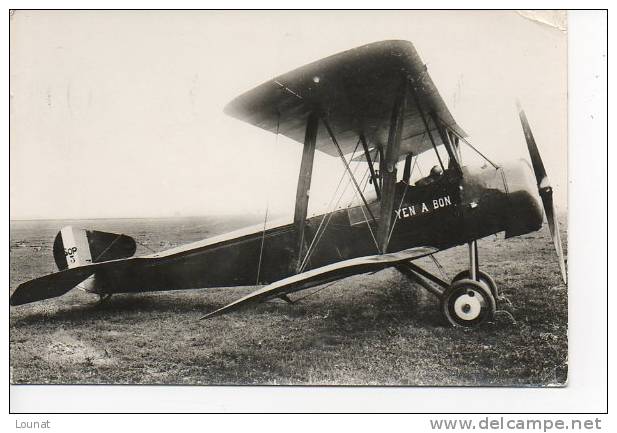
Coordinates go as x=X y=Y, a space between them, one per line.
x=76 y=248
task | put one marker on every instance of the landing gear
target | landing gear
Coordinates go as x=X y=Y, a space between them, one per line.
x=471 y=297
x=474 y=272
x=482 y=277
x=286 y=299
x=467 y=303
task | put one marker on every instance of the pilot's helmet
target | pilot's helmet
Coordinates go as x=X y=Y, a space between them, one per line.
x=436 y=171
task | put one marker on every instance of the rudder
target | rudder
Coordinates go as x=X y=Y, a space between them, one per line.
x=75 y=247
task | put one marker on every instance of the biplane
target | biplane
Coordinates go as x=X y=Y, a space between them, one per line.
x=374 y=106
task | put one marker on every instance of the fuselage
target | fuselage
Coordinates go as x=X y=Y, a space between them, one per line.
x=450 y=211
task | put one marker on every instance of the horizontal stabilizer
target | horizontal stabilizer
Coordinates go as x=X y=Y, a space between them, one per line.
x=59 y=283
x=50 y=286
x=325 y=274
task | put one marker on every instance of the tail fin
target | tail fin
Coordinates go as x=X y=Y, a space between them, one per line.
x=78 y=247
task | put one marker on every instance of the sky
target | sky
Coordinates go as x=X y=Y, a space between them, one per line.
x=120 y=113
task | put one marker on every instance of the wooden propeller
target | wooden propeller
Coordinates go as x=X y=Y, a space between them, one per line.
x=545 y=189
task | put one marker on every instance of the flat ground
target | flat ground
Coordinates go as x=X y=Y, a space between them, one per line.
x=365 y=330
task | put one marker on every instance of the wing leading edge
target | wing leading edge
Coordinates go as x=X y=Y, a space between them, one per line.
x=325 y=274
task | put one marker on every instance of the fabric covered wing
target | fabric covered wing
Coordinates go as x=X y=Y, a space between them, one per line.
x=355 y=90
x=325 y=274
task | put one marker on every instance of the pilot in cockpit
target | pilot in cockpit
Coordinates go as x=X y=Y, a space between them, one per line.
x=435 y=174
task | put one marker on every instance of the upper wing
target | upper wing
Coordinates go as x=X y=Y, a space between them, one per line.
x=325 y=274
x=355 y=90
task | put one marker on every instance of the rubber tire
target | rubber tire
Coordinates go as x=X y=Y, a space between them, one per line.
x=483 y=277
x=460 y=287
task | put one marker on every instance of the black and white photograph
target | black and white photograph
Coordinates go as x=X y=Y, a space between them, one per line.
x=309 y=198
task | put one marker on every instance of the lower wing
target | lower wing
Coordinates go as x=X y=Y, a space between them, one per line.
x=325 y=274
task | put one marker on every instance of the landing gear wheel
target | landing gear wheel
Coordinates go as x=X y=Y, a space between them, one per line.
x=483 y=277
x=467 y=303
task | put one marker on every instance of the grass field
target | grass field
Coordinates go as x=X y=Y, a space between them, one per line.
x=365 y=330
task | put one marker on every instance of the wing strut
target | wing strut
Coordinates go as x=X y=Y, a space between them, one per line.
x=455 y=146
x=382 y=158
x=304 y=185
x=388 y=174
x=426 y=125
x=367 y=155
x=445 y=137
x=457 y=137
x=407 y=169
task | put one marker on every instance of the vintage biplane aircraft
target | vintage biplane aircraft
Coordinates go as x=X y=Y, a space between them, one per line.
x=374 y=105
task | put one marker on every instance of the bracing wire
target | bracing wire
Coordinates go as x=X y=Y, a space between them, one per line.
x=403 y=198
x=476 y=150
x=439 y=266
x=362 y=207
x=108 y=247
x=346 y=164
x=263 y=232
x=396 y=219
x=331 y=202
x=328 y=215
x=369 y=228
x=363 y=180
x=469 y=144
x=261 y=248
